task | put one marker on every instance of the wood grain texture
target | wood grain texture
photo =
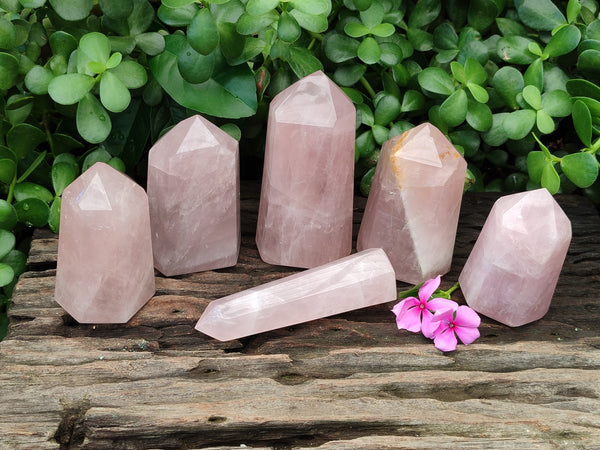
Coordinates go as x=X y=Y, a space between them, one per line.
x=346 y=382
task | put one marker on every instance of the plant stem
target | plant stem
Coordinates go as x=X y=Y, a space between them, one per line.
x=11 y=189
x=368 y=87
x=452 y=289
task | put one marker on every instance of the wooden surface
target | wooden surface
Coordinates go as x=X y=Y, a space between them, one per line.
x=346 y=382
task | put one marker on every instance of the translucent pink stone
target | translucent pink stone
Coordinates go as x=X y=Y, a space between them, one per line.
x=356 y=281
x=193 y=189
x=104 y=272
x=413 y=207
x=305 y=214
x=513 y=268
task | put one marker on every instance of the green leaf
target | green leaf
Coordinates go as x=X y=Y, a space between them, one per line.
x=373 y=15
x=315 y=24
x=288 y=28
x=93 y=122
x=231 y=94
x=532 y=95
x=249 y=24
x=23 y=138
x=62 y=43
x=518 y=124
x=232 y=43
x=303 y=62
x=176 y=3
x=312 y=7
x=557 y=103
x=387 y=109
x=582 y=121
x=8 y=34
x=563 y=41
x=454 y=108
x=70 y=88
x=98 y=155
x=31 y=190
x=96 y=47
x=509 y=27
x=38 y=79
x=539 y=14
x=114 y=60
x=383 y=30
x=8 y=169
x=508 y=82
x=17 y=260
x=436 y=80
x=33 y=212
x=6 y=274
x=573 y=9
x=72 y=9
x=9 y=70
x=536 y=161
x=132 y=74
x=479 y=93
x=348 y=74
x=413 y=101
x=534 y=75
x=64 y=143
x=117 y=163
x=115 y=9
x=259 y=7
x=420 y=40
x=194 y=67
x=479 y=116
x=515 y=50
x=8 y=216
x=482 y=13
x=496 y=135
x=458 y=72
x=425 y=12
x=366 y=181
x=550 y=179
x=63 y=174
x=114 y=95
x=202 y=33
x=583 y=88
x=391 y=54
x=369 y=51
x=177 y=17
x=54 y=215
x=581 y=168
x=544 y=122
x=39 y=159
x=589 y=62
x=355 y=29
x=365 y=144
x=340 y=48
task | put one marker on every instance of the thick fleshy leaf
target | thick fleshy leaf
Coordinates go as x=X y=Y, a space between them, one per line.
x=532 y=95
x=557 y=103
x=303 y=62
x=194 y=67
x=62 y=43
x=70 y=88
x=534 y=75
x=474 y=71
x=203 y=34
x=581 y=168
x=454 y=108
x=93 y=122
x=177 y=17
x=259 y=7
x=8 y=34
x=508 y=82
x=563 y=41
x=518 y=124
x=589 y=62
x=582 y=121
x=132 y=74
x=32 y=190
x=536 y=161
x=539 y=14
x=23 y=138
x=340 y=48
x=63 y=174
x=316 y=24
x=479 y=93
x=369 y=51
x=8 y=216
x=550 y=179
x=116 y=9
x=38 y=79
x=114 y=95
x=436 y=80
x=578 y=87
x=96 y=46
x=479 y=116
x=33 y=212
x=425 y=12
x=249 y=24
x=7 y=274
x=356 y=29
x=349 y=74
x=482 y=13
x=232 y=44
x=8 y=169
x=544 y=122
x=413 y=101
x=72 y=9
x=9 y=70
x=54 y=215
x=387 y=109
x=312 y=7
x=288 y=28
x=515 y=50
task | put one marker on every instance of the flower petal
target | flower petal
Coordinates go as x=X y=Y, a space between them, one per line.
x=428 y=327
x=437 y=304
x=466 y=334
x=466 y=317
x=410 y=320
x=443 y=315
x=402 y=306
x=445 y=341
x=429 y=288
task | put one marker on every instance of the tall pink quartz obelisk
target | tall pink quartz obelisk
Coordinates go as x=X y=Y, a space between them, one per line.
x=356 y=281
x=104 y=272
x=194 y=194
x=305 y=213
x=512 y=271
x=413 y=207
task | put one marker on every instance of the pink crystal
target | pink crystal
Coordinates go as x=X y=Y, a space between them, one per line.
x=104 y=272
x=357 y=281
x=193 y=189
x=305 y=214
x=413 y=207
x=513 y=268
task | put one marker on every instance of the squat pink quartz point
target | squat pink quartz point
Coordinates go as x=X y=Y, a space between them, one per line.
x=356 y=281
x=104 y=271
x=414 y=203
x=193 y=190
x=512 y=271
x=305 y=213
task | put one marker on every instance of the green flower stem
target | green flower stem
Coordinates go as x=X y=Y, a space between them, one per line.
x=409 y=292
x=11 y=189
x=368 y=87
x=452 y=289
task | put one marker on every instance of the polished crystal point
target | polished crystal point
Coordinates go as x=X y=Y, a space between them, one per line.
x=413 y=207
x=305 y=214
x=512 y=271
x=104 y=272
x=355 y=281
x=193 y=190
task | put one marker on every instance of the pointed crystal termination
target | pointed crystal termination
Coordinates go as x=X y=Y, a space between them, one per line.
x=512 y=271
x=104 y=272
x=413 y=207
x=305 y=213
x=356 y=281
x=194 y=195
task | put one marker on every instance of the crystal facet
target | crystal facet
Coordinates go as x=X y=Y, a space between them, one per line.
x=305 y=214
x=104 y=272
x=512 y=271
x=413 y=207
x=356 y=281
x=193 y=190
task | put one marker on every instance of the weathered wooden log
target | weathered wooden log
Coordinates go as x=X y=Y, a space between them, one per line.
x=348 y=381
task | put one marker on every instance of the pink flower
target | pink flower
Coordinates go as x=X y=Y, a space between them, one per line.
x=415 y=314
x=461 y=321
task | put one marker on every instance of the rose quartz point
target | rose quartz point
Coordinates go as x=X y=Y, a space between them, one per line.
x=356 y=281
x=104 y=272
x=193 y=190
x=512 y=271
x=413 y=207
x=305 y=213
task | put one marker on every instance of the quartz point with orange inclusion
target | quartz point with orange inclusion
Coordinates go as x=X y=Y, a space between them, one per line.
x=513 y=269
x=305 y=213
x=414 y=203
x=356 y=281
x=193 y=190
x=104 y=271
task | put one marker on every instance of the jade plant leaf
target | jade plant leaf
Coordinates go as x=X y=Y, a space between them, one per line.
x=33 y=212
x=203 y=34
x=582 y=121
x=93 y=122
x=518 y=124
x=131 y=74
x=563 y=41
x=72 y=9
x=539 y=14
x=23 y=138
x=259 y=7
x=9 y=70
x=26 y=190
x=454 y=108
x=581 y=168
x=63 y=174
x=436 y=80
x=8 y=215
x=303 y=62
x=536 y=161
x=550 y=178
x=70 y=88
x=114 y=95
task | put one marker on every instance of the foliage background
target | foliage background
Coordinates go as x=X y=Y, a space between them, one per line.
x=512 y=83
